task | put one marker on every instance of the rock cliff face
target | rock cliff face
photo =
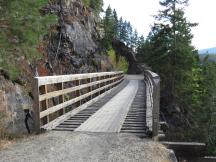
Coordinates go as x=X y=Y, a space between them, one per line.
x=74 y=44
x=71 y=46
x=12 y=102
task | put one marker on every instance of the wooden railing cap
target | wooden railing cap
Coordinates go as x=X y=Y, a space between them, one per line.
x=66 y=78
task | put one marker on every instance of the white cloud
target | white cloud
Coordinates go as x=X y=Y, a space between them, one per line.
x=139 y=13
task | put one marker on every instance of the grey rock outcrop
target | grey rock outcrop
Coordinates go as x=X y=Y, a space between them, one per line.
x=12 y=102
x=74 y=46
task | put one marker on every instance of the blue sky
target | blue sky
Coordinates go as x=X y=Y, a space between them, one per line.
x=139 y=13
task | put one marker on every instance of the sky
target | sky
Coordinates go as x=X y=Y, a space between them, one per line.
x=140 y=12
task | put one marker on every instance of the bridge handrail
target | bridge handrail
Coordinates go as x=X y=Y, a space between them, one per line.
x=92 y=85
x=152 y=81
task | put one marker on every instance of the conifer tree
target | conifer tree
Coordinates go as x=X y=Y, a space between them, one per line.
x=172 y=54
x=120 y=25
x=129 y=34
x=124 y=32
x=134 y=39
x=108 y=24
x=97 y=5
x=115 y=24
x=210 y=105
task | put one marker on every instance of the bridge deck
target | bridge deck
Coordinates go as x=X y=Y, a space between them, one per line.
x=123 y=110
x=111 y=116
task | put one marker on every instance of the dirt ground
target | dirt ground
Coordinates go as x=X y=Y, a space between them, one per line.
x=85 y=147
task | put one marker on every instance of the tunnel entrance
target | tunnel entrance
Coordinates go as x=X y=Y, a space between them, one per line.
x=122 y=50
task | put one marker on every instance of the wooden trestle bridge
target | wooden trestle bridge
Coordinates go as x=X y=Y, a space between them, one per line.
x=107 y=102
x=98 y=102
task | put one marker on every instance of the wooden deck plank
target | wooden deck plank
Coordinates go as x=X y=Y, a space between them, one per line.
x=111 y=116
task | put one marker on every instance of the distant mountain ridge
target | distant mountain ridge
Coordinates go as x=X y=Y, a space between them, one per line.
x=208 y=51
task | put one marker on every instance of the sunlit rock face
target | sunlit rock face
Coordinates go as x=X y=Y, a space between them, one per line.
x=80 y=27
x=74 y=46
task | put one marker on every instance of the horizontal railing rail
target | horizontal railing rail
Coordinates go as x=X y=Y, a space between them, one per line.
x=56 y=96
x=152 y=81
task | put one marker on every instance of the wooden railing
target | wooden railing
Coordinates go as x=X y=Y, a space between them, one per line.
x=152 y=81
x=56 y=96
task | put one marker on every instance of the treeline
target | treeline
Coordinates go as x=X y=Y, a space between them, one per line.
x=117 y=28
x=188 y=95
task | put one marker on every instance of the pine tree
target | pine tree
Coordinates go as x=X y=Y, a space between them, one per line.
x=115 y=24
x=173 y=55
x=120 y=25
x=124 y=32
x=129 y=30
x=141 y=49
x=141 y=41
x=134 y=39
x=97 y=5
x=108 y=23
x=206 y=116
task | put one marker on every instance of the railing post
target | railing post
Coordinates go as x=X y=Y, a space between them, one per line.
x=79 y=92
x=36 y=105
x=44 y=104
x=156 y=106
x=152 y=81
x=60 y=86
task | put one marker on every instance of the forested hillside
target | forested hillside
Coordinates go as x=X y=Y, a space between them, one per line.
x=208 y=51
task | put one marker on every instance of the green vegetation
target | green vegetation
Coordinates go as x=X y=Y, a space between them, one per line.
x=21 y=30
x=119 y=29
x=109 y=24
x=169 y=49
x=96 y=5
x=205 y=116
x=86 y=3
x=186 y=83
x=118 y=62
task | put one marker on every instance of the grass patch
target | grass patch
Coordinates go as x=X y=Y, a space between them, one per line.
x=119 y=63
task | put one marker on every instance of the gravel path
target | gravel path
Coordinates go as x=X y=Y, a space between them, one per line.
x=57 y=146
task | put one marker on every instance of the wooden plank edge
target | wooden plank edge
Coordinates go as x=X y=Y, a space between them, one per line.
x=72 y=89
x=66 y=78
